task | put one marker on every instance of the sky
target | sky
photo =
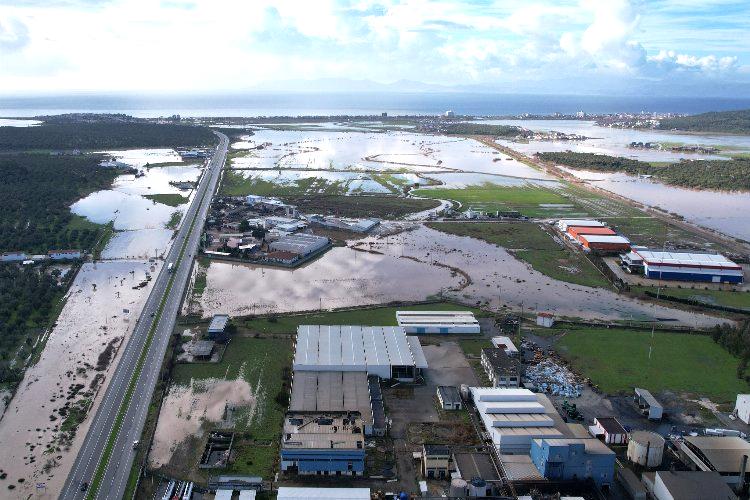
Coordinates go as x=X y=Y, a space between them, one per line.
x=684 y=47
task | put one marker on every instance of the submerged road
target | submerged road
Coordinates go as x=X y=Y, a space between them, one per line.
x=113 y=449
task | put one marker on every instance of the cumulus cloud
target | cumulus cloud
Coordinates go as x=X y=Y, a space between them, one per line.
x=14 y=35
x=670 y=60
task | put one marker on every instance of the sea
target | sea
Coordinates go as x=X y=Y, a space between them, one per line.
x=257 y=104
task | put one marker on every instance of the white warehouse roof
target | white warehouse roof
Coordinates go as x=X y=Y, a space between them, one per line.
x=375 y=349
x=564 y=223
x=288 y=493
x=438 y=321
x=601 y=238
x=685 y=259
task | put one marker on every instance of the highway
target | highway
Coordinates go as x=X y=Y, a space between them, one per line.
x=120 y=460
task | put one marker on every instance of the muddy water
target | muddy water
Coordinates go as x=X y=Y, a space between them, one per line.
x=91 y=319
x=340 y=278
x=499 y=279
x=128 y=211
x=190 y=407
x=139 y=244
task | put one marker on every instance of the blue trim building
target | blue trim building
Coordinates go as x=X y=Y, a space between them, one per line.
x=571 y=459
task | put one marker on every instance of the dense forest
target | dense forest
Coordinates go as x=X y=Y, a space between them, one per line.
x=732 y=122
x=35 y=197
x=103 y=135
x=27 y=299
x=730 y=175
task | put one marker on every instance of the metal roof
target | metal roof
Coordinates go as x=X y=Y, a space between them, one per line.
x=449 y=394
x=420 y=361
x=472 y=465
x=580 y=223
x=695 y=485
x=448 y=318
x=692 y=259
x=218 y=323
x=645 y=394
x=723 y=453
x=596 y=238
x=290 y=493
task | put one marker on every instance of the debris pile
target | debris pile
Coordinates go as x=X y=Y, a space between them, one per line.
x=553 y=378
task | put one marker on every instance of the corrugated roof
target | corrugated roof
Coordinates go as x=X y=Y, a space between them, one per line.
x=420 y=361
x=723 y=453
x=677 y=258
x=595 y=238
x=290 y=493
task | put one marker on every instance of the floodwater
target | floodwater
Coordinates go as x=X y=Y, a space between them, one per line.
x=138 y=244
x=11 y=122
x=459 y=180
x=340 y=278
x=190 y=407
x=140 y=157
x=93 y=316
x=347 y=182
x=614 y=141
x=726 y=212
x=157 y=180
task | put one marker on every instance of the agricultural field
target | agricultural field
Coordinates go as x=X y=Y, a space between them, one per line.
x=380 y=206
x=527 y=199
x=618 y=360
x=530 y=243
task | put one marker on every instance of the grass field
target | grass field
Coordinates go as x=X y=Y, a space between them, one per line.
x=380 y=316
x=380 y=206
x=492 y=197
x=171 y=199
x=530 y=243
x=236 y=184
x=713 y=297
x=617 y=360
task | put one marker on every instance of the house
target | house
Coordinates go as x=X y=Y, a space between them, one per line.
x=502 y=370
x=64 y=254
x=436 y=461
x=687 y=485
x=742 y=408
x=647 y=404
x=574 y=459
x=218 y=326
x=609 y=430
x=449 y=397
x=545 y=319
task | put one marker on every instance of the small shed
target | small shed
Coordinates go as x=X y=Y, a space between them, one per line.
x=449 y=397
x=647 y=404
x=545 y=319
x=218 y=326
x=610 y=430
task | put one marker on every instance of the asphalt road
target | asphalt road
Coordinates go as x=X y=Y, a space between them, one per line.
x=121 y=460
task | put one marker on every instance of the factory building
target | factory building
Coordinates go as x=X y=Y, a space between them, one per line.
x=574 y=459
x=576 y=231
x=564 y=224
x=427 y=322
x=475 y=466
x=604 y=244
x=687 y=485
x=689 y=266
x=299 y=243
x=513 y=418
x=293 y=493
x=725 y=455
x=383 y=351
x=501 y=369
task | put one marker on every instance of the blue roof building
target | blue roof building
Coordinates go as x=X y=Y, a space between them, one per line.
x=571 y=459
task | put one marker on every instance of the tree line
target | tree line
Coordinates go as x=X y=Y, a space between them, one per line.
x=736 y=340
x=732 y=122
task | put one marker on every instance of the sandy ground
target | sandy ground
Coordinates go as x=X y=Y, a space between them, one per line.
x=92 y=318
x=185 y=409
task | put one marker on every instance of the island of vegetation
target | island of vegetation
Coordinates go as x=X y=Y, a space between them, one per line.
x=728 y=122
x=727 y=175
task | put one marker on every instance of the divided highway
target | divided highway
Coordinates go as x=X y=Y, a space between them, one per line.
x=106 y=457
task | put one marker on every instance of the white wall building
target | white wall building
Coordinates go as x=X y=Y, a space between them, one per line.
x=293 y=493
x=742 y=407
x=563 y=224
x=507 y=345
x=427 y=322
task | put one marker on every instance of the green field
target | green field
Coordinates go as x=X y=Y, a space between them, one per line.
x=171 y=199
x=617 y=360
x=530 y=243
x=712 y=297
x=492 y=197
x=380 y=206
x=380 y=316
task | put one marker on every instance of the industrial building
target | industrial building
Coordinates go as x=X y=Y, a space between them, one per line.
x=323 y=445
x=610 y=430
x=604 y=244
x=647 y=404
x=426 y=322
x=502 y=370
x=436 y=460
x=475 y=465
x=512 y=418
x=65 y=254
x=299 y=243
x=294 y=493
x=725 y=455
x=355 y=225
x=384 y=351
x=576 y=231
x=687 y=485
x=13 y=257
x=742 y=408
x=507 y=345
x=449 y=397
x=689 y=266
x=218 y=326
x=336 y=393
x=574 y=459
x=563 y=224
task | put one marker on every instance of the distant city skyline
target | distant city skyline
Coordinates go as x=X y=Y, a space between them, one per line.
x=658 y=47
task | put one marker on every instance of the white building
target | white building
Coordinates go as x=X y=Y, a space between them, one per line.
x=563 y=224
x=512 y=418
x=13 y=257
x=507 y=345
x=385 y=351
x=742 y=408
x=425 y=322
x=294 y=493
x=545 y=319
x=64 y=254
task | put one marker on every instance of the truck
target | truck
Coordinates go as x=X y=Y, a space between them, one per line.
x=170 y=267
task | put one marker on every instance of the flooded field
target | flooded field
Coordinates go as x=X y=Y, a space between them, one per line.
x=725 y=212
x=614 y=141
x=140 y=244
x=128 y=211
x=71 y=375
x=141 y=157
x=341 y=278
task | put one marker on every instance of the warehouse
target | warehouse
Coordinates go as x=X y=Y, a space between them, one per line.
x=426 y=322
x=384 y=351
x=689 y=266
x=218 y=326
x=605 y=244
x=576 y=231
x=291 y=493
x=514 y=417
x=334 y=393
x=299 y=243
x=574 y=459
x=564 y=224
x=711 y=453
